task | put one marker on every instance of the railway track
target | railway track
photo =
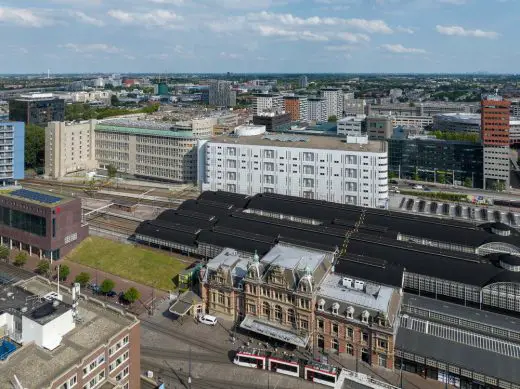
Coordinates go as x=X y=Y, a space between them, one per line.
x=169 y=374
x=188 y=339
x=160 y=353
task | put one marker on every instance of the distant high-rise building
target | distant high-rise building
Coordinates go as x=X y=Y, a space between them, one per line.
x=220 y=93
x=317 y=109
x=267 y=103
x=297 y=107
x=334 y=102
x=12 y=155
x=495 y=126
x=37 y=108
x=304 y=82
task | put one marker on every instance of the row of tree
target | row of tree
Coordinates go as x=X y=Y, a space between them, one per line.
x=131 y=295
x=80 y=111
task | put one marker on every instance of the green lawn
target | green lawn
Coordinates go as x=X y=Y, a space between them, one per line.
x=141 y=265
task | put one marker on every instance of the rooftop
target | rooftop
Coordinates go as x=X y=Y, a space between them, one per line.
x=304 y=142
x=143 y=131
x=470 y=118
x=294 y=258
x=373 y=297
x=35 y=367
x=35 y=197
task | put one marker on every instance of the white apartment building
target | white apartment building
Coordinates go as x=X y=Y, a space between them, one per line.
x=318 y=167
x=334 y=101
x=267 y=103
x=69 y=148
x=351 y=125
x=317 y=109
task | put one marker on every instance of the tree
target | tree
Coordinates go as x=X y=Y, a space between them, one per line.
x=43 y=267
x=111 y=171
x=392 y=175
x=500 y=186
x=114 y=100
x=332 y=119
x=468 y=182
x=64 y=272
x=34 y=146
x=441 y=178
x=107 y=286
x=82 y=278
x=4 y=253
x=21 y=259
x=132 y=295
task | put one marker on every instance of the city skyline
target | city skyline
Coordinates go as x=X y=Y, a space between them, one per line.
x=312 y=36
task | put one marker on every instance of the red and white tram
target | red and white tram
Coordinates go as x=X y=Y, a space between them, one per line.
x=250 y=357
x=283 y=363
x=321 y=373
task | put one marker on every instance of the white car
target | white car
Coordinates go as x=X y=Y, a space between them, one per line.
x=208 y=319
x=418 y=187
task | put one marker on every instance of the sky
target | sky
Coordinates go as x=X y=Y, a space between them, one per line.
x=240 y=36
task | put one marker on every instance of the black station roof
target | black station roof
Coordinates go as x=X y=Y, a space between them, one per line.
x=235 y=199
x=169 y=232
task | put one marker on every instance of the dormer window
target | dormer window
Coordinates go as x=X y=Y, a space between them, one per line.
x=321 y=305
x=364 y=316
x=350 y=312
x=335 y=308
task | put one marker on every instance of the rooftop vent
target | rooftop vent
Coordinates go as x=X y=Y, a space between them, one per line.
x=347 y=282
x=359 y=285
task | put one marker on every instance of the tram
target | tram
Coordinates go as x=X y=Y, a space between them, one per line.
x=288 y=364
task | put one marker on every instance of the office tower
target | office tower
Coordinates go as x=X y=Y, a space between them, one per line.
x=304 y=82
x=495 y=126
x=334 y=102
x=317 y=110
x=37 y=108
x=297 y=107
x=220 y=93
x=267 y=103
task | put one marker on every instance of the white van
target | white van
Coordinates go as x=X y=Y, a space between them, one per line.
x=208 y=319
x=418 y=187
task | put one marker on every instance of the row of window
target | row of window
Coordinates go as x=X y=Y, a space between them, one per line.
x=99 y=360
x=121 y=359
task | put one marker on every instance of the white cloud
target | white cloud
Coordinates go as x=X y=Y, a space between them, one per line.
x=354 y=38
x=371 y=26
x=339 y=48
x=86 y=19
x=271 y=31
x=406 y=30
x=461 y=31
x=400 y=49
x=224 y=54
x=23 y=17
x=91 y=47
x=159 y=18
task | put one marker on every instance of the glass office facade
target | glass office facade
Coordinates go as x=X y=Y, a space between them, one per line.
x=23 y=221
x=38 y=111
x=436 y=161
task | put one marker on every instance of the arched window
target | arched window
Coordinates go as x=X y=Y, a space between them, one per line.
x=266 y=309
x=291 y=317
x=350 y=349
x=278 y=314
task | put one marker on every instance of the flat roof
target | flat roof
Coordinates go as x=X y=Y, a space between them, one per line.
x=457 y=354
x=271 y=330
x=374 y=297
x=36 y=197
x=35 y=367
x=460 y=311
x=293 y=257
x=143 y=131
x=311 y=142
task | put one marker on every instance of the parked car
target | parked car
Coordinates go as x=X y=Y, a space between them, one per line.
x=418 y=187
x=426 y=189
x=208 y=319
x=395 y=182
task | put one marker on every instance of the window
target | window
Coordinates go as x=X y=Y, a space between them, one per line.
x=268 y=153
x=350 y=349
x=266 y=309
x=123 y=374
x=278 y=313
x=72 y=382
x=335 y=308
x=291 y=317
x=251 y=308
x=307 y=169
x=382 y=360
x=232 y=176
x=382 y=343
x=350 y=333
x=335 y=344
x=93 y=365
x=118 y=361
x=334 y=328
x=320 y=324
x=365 y=337
x=121 y=343
x=304 y=324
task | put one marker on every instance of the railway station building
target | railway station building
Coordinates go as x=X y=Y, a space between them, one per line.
x=46 y=225
x=451 y=285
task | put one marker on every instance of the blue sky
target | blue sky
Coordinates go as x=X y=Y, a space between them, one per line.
x=303 y=36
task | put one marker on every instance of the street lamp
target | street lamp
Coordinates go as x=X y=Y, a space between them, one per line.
x=189 y=371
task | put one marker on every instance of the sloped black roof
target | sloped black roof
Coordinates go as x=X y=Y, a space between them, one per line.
x=169 y=232
x=235 y=199
x=370 y=269
x=188 y=218
x=231 y=238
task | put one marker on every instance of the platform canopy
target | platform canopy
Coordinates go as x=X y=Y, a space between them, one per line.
x=267 y=328
x=185 y=302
